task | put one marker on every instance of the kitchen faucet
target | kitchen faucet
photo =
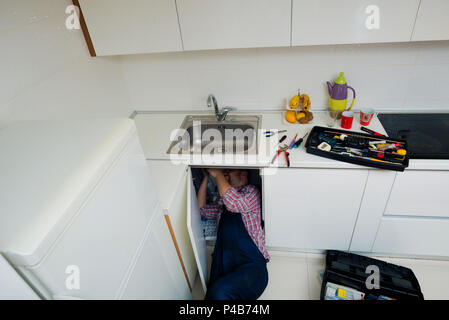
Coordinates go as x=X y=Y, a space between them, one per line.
x=221 y=116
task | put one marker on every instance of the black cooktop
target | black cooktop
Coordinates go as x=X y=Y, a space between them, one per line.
x=427 y=134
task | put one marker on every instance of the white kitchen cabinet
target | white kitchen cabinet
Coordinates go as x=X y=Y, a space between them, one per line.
x=195 y=225
x=350 y=21
x=312 y=209
x=118 y=245
x=377 y=191
x=432 y=22
x=413 y=237
x=171 y=185
x=132 y=26
x=196 y=233
x=419 y=193
x=103 y=238
x=404 y=213
x=222 y=24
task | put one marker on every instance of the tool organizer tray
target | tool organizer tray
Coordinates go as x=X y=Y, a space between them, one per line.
x=392 y=163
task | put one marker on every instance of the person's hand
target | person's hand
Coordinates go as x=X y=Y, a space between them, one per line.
x=214 y=172
x=205 y=173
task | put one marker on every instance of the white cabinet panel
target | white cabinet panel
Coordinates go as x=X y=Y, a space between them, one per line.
x=157 y=273
x=171 y=184
x=432 y=22
x=339 y=22
x=132 y=26
x=103 y=239
x=420 y=193
x=413 y=236
x=312 y=208
x=196 y=233
x=219 y=24
x=377 y=191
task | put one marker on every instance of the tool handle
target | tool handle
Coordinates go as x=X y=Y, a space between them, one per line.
x=371 y=131
x=298 y=143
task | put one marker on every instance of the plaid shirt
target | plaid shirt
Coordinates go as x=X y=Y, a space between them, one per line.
x=246 y=201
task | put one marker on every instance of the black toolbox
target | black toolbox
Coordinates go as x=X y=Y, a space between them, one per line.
x=314 y=140
x=348 y=269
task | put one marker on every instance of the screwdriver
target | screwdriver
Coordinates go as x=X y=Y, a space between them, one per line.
x=300 y=140
x=283 y=138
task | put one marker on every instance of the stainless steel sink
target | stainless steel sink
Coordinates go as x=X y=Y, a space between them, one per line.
x=204 y=134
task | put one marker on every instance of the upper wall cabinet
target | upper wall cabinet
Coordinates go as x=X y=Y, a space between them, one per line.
x=352 y=21
x=432 y=22
x=221 y=24
x=132 y=26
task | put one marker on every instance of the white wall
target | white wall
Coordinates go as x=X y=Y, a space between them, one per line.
x=399 y=76
x=46 y=71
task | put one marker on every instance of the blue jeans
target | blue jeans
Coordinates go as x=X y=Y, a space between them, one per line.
x=239 y=270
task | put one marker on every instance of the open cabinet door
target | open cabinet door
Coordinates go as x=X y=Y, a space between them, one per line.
x=196 y=233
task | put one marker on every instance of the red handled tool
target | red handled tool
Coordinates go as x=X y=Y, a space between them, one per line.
x=287 y=159
x=284 y=149
x=374 y=133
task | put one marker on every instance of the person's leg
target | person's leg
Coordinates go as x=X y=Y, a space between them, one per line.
x=246 y=282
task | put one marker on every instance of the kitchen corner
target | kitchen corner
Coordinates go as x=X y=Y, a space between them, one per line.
x=196 y=149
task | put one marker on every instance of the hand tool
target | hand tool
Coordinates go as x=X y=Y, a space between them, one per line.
x=284 y=149
x=367 y=158
x=364 y=137
x=287 y=159
x=280 y=149
x=271 y=133
x=293 y=142
x=283 y=138
x=371 y=131
x=300 y=140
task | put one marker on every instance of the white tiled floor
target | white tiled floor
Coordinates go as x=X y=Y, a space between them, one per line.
x=296 y=276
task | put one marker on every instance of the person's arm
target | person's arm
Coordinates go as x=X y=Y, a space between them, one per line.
x=222 y=184
x=208 y=211
x=242 y=202
x=201 y=196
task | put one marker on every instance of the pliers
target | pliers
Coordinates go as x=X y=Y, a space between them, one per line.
x=284 y=149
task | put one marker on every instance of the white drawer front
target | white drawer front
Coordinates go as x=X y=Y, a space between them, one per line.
x=413 y=236
x=420 y=193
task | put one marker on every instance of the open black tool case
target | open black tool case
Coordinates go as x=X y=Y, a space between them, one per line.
x=349 y=270
x=360 y=141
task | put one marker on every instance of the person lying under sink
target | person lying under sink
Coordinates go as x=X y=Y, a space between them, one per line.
x=239 y=259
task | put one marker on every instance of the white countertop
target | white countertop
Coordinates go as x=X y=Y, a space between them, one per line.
x=47 y=170
x=154 y=130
